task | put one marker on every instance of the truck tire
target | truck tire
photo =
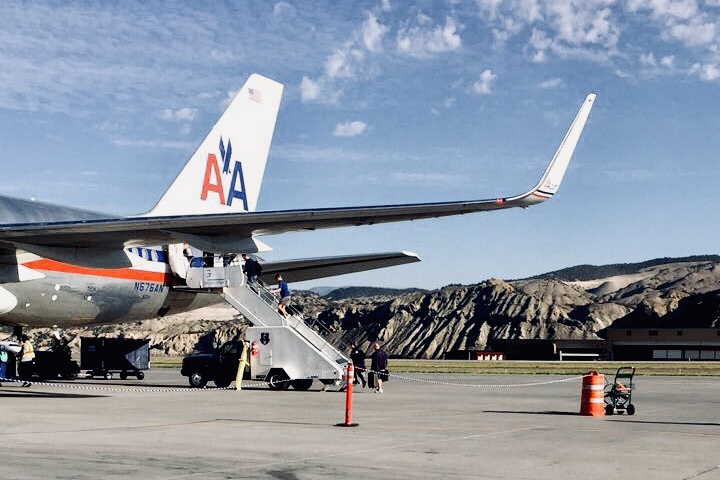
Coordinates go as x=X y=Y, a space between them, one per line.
x=222 y=382
x=278 y=380
x=197 y=380
x=302 y=384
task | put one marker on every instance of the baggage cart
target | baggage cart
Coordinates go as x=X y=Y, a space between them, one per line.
x=618 y=394
x=102 y=357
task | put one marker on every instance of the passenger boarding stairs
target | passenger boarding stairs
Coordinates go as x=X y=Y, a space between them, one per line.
x=258 y=304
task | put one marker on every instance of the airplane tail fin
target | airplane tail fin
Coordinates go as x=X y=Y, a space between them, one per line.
x=551 y=179
x=225 y=173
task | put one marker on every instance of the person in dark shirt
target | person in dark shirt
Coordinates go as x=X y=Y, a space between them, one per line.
x=378 y=363
x=252 y=268
x=358 y=359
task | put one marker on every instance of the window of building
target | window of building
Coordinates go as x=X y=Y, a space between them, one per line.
x=707 y=354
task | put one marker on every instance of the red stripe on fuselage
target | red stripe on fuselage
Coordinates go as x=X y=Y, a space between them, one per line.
x=120 y=273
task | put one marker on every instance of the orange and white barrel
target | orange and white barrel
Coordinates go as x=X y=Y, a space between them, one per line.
x=592 y=400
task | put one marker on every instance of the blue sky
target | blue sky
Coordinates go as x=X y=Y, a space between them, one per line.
x=101 y=103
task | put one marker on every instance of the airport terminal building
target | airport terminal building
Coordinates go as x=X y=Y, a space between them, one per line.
x=663 y=343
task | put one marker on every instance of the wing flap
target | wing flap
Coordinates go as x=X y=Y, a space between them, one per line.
x=322 y=267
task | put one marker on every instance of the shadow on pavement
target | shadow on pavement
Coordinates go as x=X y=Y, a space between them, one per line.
x=29 y=393
x=546 y=412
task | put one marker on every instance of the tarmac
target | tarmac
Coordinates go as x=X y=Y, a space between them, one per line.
x=423 y=426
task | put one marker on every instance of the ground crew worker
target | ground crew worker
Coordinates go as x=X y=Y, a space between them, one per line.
x=27 y=360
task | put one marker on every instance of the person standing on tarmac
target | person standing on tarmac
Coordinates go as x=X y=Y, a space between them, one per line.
x=358 y=359
x=378 y=363
x=27 y=360
x=3 y=361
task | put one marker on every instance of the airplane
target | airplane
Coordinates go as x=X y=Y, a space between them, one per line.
x=63 y=266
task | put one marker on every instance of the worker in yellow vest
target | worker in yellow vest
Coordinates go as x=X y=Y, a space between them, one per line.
x=26 y=357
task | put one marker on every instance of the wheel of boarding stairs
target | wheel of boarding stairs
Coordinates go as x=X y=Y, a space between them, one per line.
x=302 y=384
x=278 y=380
x=630 y=409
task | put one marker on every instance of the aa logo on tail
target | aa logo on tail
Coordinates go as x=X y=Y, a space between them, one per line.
x=213 y=179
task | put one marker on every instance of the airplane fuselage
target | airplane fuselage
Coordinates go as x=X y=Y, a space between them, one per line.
x=48 y=292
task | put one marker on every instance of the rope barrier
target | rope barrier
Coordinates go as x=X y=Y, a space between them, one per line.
x=310 y=376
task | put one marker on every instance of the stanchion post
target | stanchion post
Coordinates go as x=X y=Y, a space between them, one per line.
x=241 y=367
x=348 y=397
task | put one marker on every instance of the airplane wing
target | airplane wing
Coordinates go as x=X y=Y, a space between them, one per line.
x=231 y=232
x=314 y=268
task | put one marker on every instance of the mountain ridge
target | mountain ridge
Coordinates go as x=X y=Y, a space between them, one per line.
x=426 y=324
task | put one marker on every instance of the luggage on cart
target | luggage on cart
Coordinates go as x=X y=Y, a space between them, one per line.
x=102 y=357
x=618 y=394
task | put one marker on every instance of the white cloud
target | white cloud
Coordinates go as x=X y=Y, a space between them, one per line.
x=372 y=33
x=707 y=72
x=694 y=33
x=529 y=10
x=483 y=85
x=225 y=102
x=342 y=63
x=648 y=59
x=385 y=5
x=551 y=83
x=540 y=42
x=583 y=23
x=185 y=114
x=283 y=11
x=350 y=129
x=309 y=90
x=426 y=40
x=670 y=9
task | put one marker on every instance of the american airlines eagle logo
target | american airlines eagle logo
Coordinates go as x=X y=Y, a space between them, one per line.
x=214 y=181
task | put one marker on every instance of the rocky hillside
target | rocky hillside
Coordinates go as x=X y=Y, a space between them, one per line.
x=421 y=324
x=425 y=325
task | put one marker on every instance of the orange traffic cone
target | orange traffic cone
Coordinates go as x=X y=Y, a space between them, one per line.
x=592 y=400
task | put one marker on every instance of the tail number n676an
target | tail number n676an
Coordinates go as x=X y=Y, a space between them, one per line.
x=149 y=287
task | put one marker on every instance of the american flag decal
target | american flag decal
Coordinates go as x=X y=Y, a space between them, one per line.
x=255 y=95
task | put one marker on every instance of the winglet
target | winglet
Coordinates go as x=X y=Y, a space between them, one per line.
x=225 y=172
x=551 y=179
